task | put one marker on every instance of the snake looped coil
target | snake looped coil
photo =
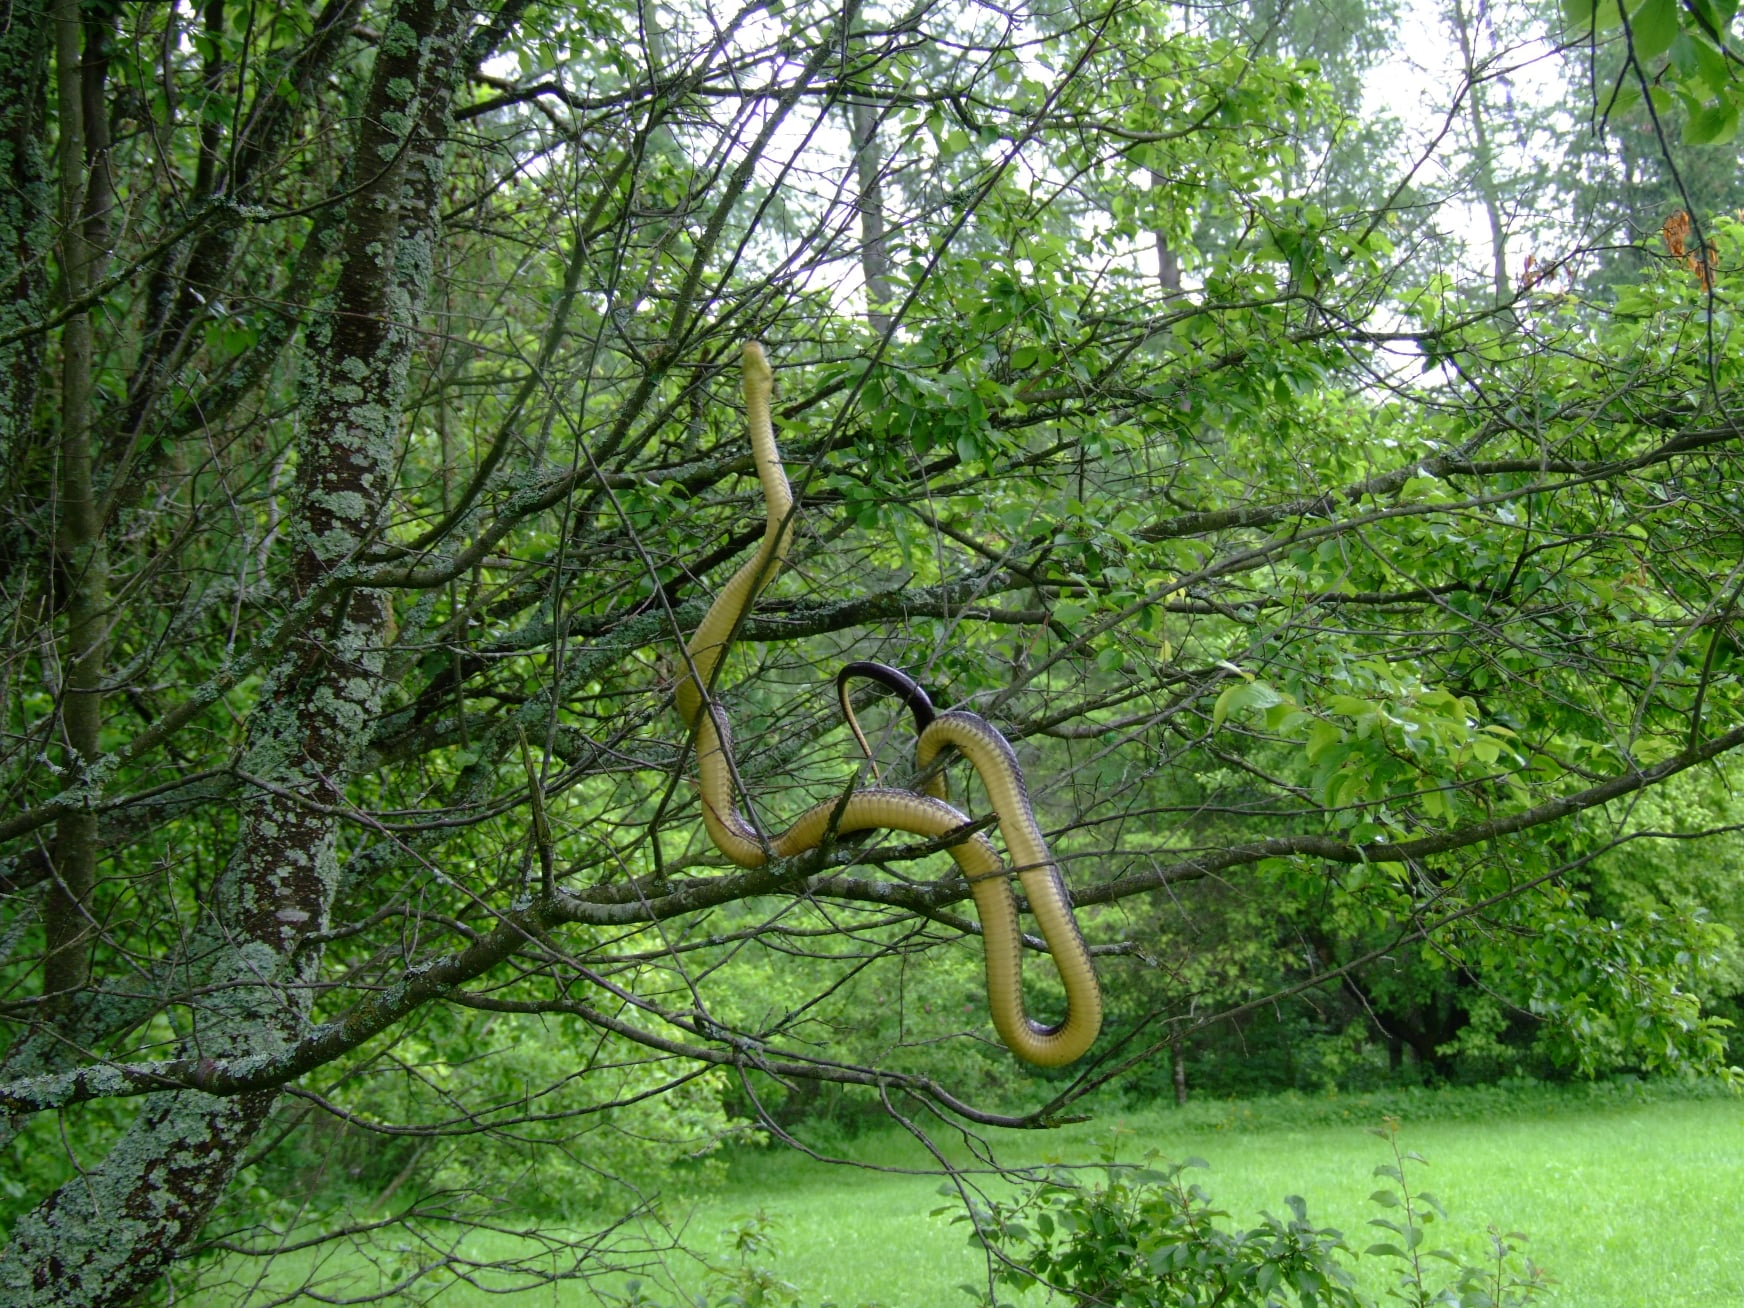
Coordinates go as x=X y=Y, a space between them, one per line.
x=874 y=808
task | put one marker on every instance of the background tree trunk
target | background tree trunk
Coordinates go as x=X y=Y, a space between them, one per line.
x=869 y=172
x=82 y=560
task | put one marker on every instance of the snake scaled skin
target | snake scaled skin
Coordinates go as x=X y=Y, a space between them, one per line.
x=875 y=808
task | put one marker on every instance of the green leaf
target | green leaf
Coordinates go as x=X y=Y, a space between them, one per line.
x=1321 y=737
x=1716 y=124
x=1683 y=56
x=1226 y=701
x=1652 y=27
x=1715 y=69
x=1716 y=14
x=1284 y=717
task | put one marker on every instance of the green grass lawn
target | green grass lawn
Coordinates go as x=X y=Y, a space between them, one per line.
x=1629 y=1198
x=1626 y=1205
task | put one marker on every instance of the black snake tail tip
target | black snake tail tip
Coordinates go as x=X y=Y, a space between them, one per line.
x=899 y=683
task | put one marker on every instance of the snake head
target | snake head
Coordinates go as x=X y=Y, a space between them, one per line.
x=756 y=365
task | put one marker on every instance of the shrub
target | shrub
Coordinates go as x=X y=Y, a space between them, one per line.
x=1145 y=1236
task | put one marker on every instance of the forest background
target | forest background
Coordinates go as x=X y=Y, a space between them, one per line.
x=1341 y=515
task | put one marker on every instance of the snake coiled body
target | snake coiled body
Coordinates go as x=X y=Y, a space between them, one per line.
x=884 y=808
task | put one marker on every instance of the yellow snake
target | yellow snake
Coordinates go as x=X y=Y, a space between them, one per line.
x=875 y=808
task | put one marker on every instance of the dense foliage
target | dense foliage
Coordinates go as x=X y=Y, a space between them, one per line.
x=1367 y=623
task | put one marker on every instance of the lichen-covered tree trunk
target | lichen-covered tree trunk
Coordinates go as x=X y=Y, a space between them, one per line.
x=110 y=1232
